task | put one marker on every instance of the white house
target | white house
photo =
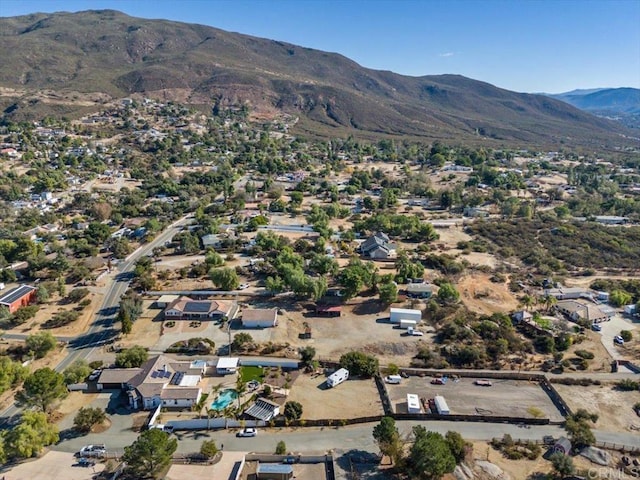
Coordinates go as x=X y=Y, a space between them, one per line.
x=227 y=365
x=397 y=314
x=260 y=317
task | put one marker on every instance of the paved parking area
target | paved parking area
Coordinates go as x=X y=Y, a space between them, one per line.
x=503 y=398
x=612 y=328
x=52 y=466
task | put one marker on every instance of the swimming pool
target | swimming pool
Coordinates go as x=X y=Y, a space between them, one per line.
x=224 y=399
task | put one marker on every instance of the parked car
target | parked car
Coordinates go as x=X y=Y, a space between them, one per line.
x=618 y=339
x=93 y=451
x=243 y=286
x=85 y=462
x=247 y=432
x=596 y=328
x=164 y=428
x=94 y=375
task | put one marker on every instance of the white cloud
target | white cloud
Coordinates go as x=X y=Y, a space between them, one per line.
x=446 y=54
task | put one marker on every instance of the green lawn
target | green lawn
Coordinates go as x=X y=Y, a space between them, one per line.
x=251 y=373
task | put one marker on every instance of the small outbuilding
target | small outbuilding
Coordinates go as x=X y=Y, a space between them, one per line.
x=274 y=471
x=227 y=365
x=562 y=445
x=413 y=403
x=260 y=317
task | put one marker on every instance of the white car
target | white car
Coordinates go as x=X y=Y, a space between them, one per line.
x=243 y=286
x=94 y=375
x=618 y=339
x=93 y=451
x=247 y=432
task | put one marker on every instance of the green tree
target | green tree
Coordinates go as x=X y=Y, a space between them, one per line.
x=42 y=295
x=132 y=357
x=407 y=269
x=359 y=364
x=33 y=433
x=240 y=340
x=126 y=325
x=39 y=344
x=281 y=448
x=77 y=372
x=209 y=448
x=214 y=259
x=87 y=417
x=307 y=354
x=293 y=410
x=3 y=451
x=429 y=457
x=457 y=445
x=388 y=292
x=448 y=294
x=579 y=432
x=387 y=437
x=225 y=278
x=150 y=453
x=562 y=464
x=626 y=335
x=619 y=298
x=42 y=388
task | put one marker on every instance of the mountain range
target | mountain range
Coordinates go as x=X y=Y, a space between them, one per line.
x=68 y=63
x=622 y=104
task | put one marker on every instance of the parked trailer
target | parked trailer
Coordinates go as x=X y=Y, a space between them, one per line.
x=483 y=383
x=337 y=377
x=413 y=403
x=406 y=324
x=397 y=314
x=441 y=405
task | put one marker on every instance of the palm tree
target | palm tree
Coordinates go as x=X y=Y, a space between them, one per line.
x=549 y=302
x=526 y=301
x=211 y=413
x=241 y=388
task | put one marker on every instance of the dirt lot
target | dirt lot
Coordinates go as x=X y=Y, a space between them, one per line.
x=614 y=407
x=318 y=401
x=363 y=323
x=505 y=397
x=481 y=295
x=146 y=329
x=523 y=468
x=53 y=466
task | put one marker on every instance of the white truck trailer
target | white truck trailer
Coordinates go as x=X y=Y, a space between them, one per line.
x=441 y=405
x=398 y=314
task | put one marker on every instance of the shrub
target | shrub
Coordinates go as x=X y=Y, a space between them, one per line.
x=209 y=448
x=87 y=417
x=77 y=294
x=62 y=318
x=281 y=448
x=626 y=335
x=627 y=385
x=586 y=354
x=293 y=410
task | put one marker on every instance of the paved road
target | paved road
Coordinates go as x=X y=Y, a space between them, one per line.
x=102 y=329
x=312 y=439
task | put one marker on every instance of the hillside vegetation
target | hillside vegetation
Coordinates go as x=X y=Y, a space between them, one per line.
x=107 y=52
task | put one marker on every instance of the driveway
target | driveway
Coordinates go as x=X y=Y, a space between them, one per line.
x=612 y=328
x=52 y=466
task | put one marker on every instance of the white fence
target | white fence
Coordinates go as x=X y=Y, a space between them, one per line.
x=212 y=423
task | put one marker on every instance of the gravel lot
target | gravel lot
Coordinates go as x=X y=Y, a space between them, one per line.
x=505 y=397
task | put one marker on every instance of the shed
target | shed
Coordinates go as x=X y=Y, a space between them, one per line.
x=274 y=471
x=227 y=365
x=562 y=445
x=260 y=317
x=397 y=314
x=329 y=310
x=413 y=403
x=419 y=290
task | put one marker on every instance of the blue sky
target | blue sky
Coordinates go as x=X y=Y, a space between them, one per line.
x=524 y=45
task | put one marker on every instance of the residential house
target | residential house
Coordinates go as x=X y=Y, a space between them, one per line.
x=159 y=381
x=584 y=311
x=211 y=241
x=185 y=308
x=260 y=317
x=419 y=290
x=227 y=365
x=378 y=246
x=18 y=297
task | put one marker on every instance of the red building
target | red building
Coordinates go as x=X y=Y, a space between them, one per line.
x=18 y=297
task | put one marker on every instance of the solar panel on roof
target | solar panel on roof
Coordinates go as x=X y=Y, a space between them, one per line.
x=197 y=307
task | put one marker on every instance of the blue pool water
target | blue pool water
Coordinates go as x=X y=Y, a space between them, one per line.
x=224 y=399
